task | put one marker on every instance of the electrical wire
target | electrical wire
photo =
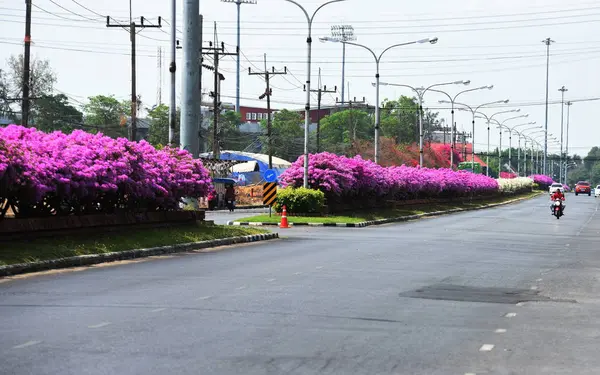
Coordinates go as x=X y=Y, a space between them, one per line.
x=70 y=11
x=88 y=9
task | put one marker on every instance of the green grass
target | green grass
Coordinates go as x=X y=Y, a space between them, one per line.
x=13 y=252
x=369 y=215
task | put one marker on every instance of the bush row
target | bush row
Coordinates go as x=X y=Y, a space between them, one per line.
x=518 y=185
x=542 y=181
x=56 y=174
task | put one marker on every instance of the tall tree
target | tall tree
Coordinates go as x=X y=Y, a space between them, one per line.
x=55 y=113
x=287 y=135
x=399 y=119
x=42 y=79
x=158 y=134
x=5 y=107
x=106 y=114
x=229 y=134
x=340 y=129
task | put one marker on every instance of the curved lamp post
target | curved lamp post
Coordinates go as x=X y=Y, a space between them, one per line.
x=420 y=93
x=309 y=20
x=376 y=84
x=500 y=126
x=510 y=133
x=452 y=101
x=521 y=134
x=473 y=112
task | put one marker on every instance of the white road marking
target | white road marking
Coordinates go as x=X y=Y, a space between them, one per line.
x=520 y=304
x=241 y=287
x=470 y=373
x=28 y=343
x=534 y=288
x=271 y=280
x=203 y=298
x=500 y=330
x=319 y=267
x=159 y=310
x=104 y=324
x=510 y=315
x=486 y=348
x=538 y=280
x=298 y=273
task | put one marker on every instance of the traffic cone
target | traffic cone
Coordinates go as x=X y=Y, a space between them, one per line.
x=284 y=222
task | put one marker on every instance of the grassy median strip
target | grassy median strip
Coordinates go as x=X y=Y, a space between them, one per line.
x=370 y=215
x=13 y=252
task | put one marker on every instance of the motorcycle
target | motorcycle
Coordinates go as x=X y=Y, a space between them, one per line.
x=557 y=208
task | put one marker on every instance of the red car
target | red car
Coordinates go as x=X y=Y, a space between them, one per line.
x=583 y=187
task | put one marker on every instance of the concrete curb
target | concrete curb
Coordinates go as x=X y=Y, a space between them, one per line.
x=86 y=260
x=239 y=208
x=383 y=221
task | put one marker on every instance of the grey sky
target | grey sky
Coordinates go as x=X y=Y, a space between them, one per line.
x=488 y=42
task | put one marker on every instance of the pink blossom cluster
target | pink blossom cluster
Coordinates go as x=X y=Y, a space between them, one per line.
x=83 y=171
x=343 y=177
x=542 y=180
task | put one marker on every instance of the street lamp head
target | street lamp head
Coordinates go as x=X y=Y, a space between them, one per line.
x=329 y=39
x=467 y=82
x=375 y=84
x=445 y=102
x=505 y=101
x=490 y=87
x=433 y=40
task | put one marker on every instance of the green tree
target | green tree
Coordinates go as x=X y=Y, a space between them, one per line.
x=340 y=129
x=5 y=108
x=287 y=135
x=399 y=119
x=106 y=114
x=55 y=113
x=158 y=133
x=229 y=133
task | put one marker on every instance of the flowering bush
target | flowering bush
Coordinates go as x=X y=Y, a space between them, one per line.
x=349 y=180
x=542 y=181
x=56 y=174
x=566 y=188
x=515 y=185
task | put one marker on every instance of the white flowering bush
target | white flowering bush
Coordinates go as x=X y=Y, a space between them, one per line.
x=517 y=185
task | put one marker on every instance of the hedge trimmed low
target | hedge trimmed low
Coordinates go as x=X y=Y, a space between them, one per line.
x=300 y=200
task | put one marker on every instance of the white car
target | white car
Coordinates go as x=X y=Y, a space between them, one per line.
x=555 y=186
x=597 y=191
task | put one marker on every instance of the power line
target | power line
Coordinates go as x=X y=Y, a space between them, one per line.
x=88 y=9
x=70 y=11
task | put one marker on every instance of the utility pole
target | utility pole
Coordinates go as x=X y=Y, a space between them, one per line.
x=562 y=117
x=216 y=53
x=568 y=104
x=237 y=82
x=547 y=42
x=268 y=92
x=132 y=31
x=26 y=62
x=160 y=80
x=172 y=70
x=320 y=92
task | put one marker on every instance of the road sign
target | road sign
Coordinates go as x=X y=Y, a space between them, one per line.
x=269 y=193
x=270 y=175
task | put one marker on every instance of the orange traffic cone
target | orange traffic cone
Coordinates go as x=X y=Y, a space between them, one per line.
x=284 y=222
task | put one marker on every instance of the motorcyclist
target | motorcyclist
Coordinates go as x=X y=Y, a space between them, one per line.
x=558 y=194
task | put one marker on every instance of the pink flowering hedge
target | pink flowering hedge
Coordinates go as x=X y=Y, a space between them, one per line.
x=351 y=180
x=56 y=174
x=542 y=181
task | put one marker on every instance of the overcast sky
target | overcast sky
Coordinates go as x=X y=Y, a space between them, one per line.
x=487 y=42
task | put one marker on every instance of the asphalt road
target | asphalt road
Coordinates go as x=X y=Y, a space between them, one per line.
x=331 y=301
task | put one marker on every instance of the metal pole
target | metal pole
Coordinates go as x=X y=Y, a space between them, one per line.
x=190 y=105
x=307 y=108
x=172 y=70
x=377 y=116
x=519 y=158
x=562 y=116
x=487 y=158
x=343 y=70
x=473 y=144
x=567 y=143
x=510 y=151
x=133 y=129
x=500 y=154
x=237 y=78
x=452 y=137
x=420 y=129
x=26 y=66
x=547 y=41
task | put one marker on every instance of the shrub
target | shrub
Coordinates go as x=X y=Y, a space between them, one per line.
x=542 y=181
x=516 y=185
x=300 y=200
x=349 y=180
x=81 y=173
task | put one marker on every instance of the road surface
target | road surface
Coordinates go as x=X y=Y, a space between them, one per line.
x=435 y=296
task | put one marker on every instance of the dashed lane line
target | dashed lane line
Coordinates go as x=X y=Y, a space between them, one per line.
x=28 y=343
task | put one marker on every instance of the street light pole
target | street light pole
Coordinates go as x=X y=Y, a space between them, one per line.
x=376 y=84
x=420 y=91
x=562 y=116
x=309 y=20
x=488 y=120
x=569 y=104
x=547 y=42
x=452 y=127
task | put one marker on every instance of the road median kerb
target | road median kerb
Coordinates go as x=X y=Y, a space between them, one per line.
x=382 y=221
x=86 y=260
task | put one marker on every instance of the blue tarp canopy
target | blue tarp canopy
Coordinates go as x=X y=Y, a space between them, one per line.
x=279 y=165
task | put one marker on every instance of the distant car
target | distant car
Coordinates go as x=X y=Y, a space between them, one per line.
x=597 y=191
x=554 y=187
x=583 y=187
